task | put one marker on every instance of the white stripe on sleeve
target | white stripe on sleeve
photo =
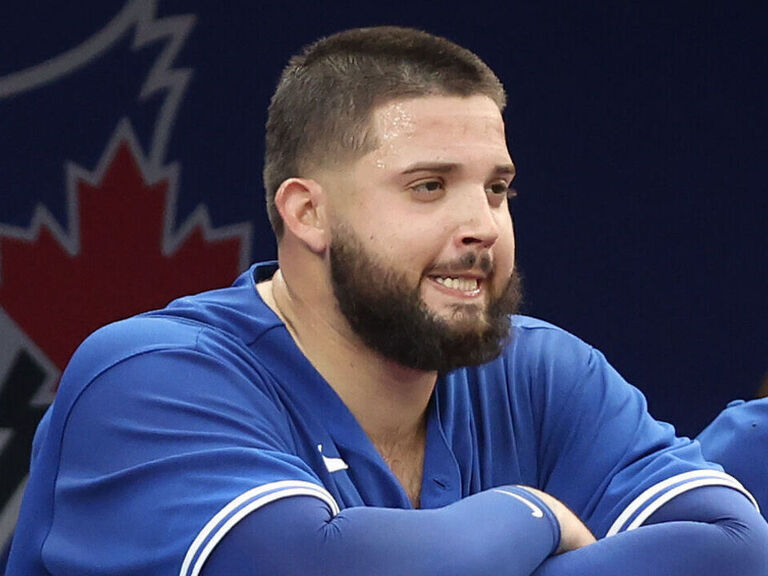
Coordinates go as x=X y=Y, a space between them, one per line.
x=659 y=494
x=237 y=509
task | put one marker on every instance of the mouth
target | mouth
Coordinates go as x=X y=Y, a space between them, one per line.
x=463 y=286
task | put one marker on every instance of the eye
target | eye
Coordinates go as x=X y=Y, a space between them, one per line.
x=500 y=191
x=428 y=190
x=501 y=188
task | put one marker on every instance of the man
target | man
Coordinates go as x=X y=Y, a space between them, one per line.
x=366 y=406
x=738 y=439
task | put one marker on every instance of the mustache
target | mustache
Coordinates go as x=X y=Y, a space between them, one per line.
x=467 y=261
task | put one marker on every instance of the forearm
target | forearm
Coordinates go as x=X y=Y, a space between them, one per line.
x=732 y=538
x=675 y=549
x=488 y=533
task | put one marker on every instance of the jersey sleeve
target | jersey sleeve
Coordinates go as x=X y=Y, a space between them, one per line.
x=159 y=451
x=600 y=451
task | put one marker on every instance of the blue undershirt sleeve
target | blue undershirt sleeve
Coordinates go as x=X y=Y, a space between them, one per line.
x=504 y=531
x=709 y=531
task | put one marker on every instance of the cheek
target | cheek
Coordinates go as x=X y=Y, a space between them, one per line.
x=505 y=250
x=401 y=233
x=390 y=241
x=409 y=247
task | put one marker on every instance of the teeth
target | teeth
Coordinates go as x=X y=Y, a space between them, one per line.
x=463 y=284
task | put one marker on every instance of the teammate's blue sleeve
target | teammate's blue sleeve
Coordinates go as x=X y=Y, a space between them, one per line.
x=504 y=532
x=708 y=531
x=738 y=440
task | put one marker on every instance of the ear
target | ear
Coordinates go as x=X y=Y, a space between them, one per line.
x=301 y=203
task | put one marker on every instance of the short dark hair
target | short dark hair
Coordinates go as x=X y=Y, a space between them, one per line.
x=321 y=109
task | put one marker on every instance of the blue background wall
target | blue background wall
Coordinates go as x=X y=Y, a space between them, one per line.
x=639 y=131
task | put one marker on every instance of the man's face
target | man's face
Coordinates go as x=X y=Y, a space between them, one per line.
x=422 y=247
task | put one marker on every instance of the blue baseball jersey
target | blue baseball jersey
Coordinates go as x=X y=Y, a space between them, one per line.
x=171 y=427
x=738 y=439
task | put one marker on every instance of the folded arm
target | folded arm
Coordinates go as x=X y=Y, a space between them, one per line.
x=506 y=531
x=708 y=531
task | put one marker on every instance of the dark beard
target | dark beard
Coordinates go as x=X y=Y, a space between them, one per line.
x=393 y=320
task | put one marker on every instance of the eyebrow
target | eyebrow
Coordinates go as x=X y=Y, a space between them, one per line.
x=445 y=167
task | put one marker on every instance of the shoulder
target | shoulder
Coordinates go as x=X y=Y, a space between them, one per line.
x=737 y=439
x=561 y=369
x=541 y=353
x=542 y=370
x=538 y=355
x=210 y=329
x=741 y=428
x=745 y=416
x=534 y=337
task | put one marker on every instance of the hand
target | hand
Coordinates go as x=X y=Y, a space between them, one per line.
x=573 y=533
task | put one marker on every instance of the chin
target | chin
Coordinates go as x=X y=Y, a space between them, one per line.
x=466 y=317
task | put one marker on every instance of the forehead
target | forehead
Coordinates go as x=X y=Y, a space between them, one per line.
x=442 y=122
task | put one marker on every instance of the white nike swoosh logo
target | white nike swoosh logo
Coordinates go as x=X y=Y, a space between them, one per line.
x=536 y=511
x=332 y=464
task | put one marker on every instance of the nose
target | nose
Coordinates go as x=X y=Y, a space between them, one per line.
x=478 y=223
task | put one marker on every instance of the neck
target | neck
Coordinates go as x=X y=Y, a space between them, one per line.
x=388 y=399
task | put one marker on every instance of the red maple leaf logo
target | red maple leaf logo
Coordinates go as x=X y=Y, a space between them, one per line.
x=122 y=263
